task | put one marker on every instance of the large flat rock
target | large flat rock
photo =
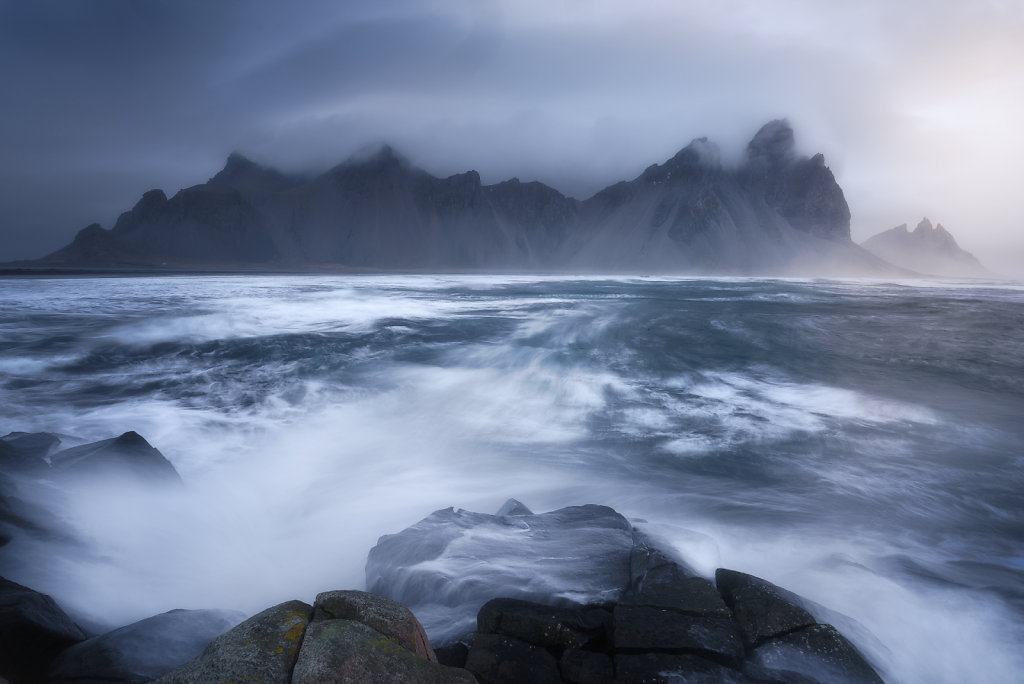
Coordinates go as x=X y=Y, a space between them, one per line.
x=445 y=567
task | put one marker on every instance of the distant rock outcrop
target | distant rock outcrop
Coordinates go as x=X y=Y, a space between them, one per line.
x=778 y=212
x=926 y=250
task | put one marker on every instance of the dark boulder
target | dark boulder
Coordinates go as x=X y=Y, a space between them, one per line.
x=27 y=451
x=388 y=617
x=263 y=648
x=345 y=651
x=445 y=567
x=586 y=667
x=761 y=609
x=33 y=630
x=690 y=595
x=497 y=659
x=817 y=654
x=129 y=455
x=665 y=668
x=661 y=581
x=143 y=650
x=640 y=629
x=453 y=654
x=555 y=628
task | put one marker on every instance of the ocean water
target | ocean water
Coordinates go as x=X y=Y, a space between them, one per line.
x=858 y=442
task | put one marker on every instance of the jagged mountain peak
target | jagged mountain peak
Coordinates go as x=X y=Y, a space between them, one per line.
x=154 y=197
x=242 y=173
x=773 y=145
x=936 y=235
x=700 y=152
x=377 y=210
x=238 y=160
x=380 y=155
x=151 y=203
x=697 y=157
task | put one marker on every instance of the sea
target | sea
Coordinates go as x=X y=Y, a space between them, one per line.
x=859 y=442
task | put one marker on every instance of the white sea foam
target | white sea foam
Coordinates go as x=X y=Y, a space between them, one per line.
x=534 y=388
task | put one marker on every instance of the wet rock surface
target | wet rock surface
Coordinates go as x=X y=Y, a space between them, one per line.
x=263 y=648
x=390 y=618
x=667 y=625
x=663 y=623
x=345 y=636
x=144 y=650
x=518 y=641
x=761 y=609
x=349 y=651
x=448 y=565
x=33 y=629
x=128 y=455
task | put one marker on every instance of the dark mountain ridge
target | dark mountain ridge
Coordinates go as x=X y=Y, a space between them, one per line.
x=778 y=212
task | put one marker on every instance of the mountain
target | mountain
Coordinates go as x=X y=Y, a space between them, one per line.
x=777 y=212
x=927 y=250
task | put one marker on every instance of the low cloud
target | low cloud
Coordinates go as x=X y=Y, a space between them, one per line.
x=914 y=106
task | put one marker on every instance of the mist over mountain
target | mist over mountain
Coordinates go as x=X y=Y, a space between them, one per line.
x=776 y=212
x=927 y=250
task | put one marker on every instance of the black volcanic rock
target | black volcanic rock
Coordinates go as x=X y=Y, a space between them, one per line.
x=497 y=659
x=33 y=629
x=761 y=609
x=926 y=249
x=128 y=455
x=556 y=628
x=453 y=562
x=817 y=653
x=778 y=212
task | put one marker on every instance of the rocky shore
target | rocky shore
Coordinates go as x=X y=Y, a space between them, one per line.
x=577 y=595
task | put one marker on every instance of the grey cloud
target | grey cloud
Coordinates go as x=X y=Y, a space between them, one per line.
x=110 y=98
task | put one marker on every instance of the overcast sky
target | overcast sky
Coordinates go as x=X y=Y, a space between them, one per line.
x=918 y=105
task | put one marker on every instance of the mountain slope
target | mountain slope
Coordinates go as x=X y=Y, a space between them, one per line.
x=927 y=250
x=777 y=213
